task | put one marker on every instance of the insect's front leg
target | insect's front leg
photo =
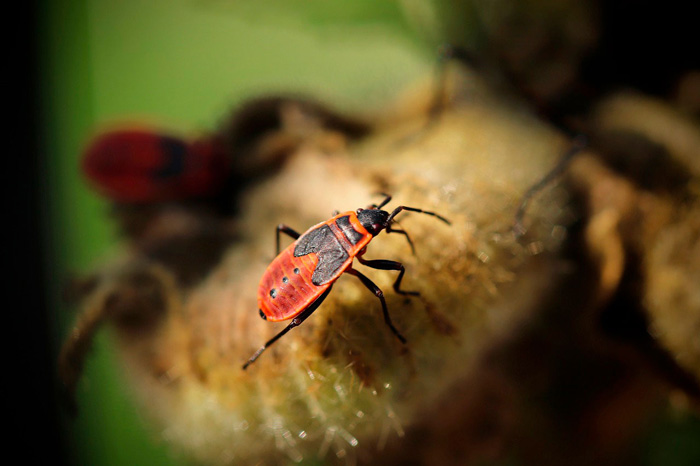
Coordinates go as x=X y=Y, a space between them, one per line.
x=282 y=228
x=382 y=264
x=389 y=229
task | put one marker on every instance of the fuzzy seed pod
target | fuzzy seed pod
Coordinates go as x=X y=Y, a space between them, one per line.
x=505 y=353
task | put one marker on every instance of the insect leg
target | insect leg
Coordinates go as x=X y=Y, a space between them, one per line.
x=282 y=228
x=382 y=264
x=408 y=238
x=294 y=323
x=379 y=294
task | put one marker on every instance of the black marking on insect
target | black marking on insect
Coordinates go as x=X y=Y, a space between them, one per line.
x=350 y=233
x=319 y=257
x=331 y=254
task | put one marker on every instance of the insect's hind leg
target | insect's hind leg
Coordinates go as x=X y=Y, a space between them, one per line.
x=294 y=323
x=382 y=264
x=282 y=228
x=379 y=294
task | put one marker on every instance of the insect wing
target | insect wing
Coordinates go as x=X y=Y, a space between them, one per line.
x=331 y=254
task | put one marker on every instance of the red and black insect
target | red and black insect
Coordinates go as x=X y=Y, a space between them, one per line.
x=300 y=277
x=139 y=165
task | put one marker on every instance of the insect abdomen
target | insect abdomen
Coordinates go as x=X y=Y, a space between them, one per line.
x=286 y=289
x=303 y=271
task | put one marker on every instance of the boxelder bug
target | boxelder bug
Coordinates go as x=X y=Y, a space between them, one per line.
x=300 y=277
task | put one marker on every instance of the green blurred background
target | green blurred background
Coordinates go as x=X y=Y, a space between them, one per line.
x=184 y=64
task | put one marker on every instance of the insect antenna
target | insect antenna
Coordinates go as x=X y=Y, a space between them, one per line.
x=413 y=209
x=386 y=200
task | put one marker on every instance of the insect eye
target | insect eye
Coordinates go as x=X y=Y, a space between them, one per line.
x=359 y=210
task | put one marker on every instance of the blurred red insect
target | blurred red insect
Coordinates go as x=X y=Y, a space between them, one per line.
x=140 y=165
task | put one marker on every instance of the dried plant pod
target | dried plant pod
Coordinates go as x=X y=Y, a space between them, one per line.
x=665 y=231
x=503 y=322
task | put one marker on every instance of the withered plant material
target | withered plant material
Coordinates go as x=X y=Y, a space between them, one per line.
x=533 y=347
